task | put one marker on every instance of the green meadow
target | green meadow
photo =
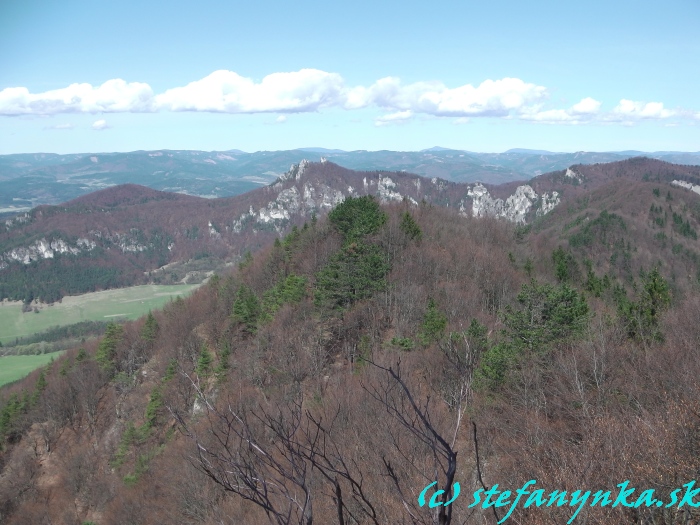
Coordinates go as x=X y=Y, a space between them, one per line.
x=14 y=367
x=123 y=303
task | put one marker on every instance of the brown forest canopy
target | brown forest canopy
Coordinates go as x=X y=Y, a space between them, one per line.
x=361 y=357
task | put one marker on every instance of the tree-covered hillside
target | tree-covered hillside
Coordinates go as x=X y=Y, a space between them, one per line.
x=360 y=358
x=130 y=234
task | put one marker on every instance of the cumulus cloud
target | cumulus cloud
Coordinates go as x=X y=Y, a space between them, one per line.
x=400 y=117
x=281 y=119
x=589 y=110
x=587 y=106
x=311 y=90
x=491 y=98
x=228 y=92
x=584 y=111
x=100 y=125
x=628 y=110
x=550 y=115
x=114 y=96
x=300 y=91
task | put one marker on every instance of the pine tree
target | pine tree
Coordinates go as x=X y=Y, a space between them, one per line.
x=82 y=355
x=546 y=314
x=223 y=360
x=434 y=324
x=205 y=361
x=149 y=331
x=354 y=273
x=356 y=217
x=107 y=350
x=410 y=227
x=654 y=299
x=39 y=387
x=245 y=261
x=170 y=371
x=247 y=309
x=154 y=404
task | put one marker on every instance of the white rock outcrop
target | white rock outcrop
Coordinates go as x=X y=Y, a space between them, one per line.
x=687 y=185
x=307 y=197
x=43 y=249
x=571 y=174
x=296 y=171
x=548 y=203
x=515 y=208
x=17 y=220
x=385 y=189
x=213 y=232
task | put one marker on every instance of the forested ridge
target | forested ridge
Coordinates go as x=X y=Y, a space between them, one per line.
x=344 y=367
x=130 y=234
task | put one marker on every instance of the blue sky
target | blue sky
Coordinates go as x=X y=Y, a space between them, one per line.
x=86 y=76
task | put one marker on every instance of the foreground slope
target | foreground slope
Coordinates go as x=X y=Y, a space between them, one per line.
x=360 y=358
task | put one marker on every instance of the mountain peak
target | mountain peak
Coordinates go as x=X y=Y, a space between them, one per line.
x=321 y=150
x=436 y=148
x=126 y=194
x=525 y=151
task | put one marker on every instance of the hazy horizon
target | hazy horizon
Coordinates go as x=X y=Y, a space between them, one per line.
x=330 y=150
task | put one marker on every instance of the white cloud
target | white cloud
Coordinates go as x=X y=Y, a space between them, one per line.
x=311 y=90
x=60 y=126
x=627 y=113
x=400 y=117
x=99 y=125
x=357 y=98
x=551 y=115
x=628 y=110
x=228 y=92
x=461 y=120
x=492 y=98
x=584 y=111
x=114 y=96
x=587 y=106
x=301 y=91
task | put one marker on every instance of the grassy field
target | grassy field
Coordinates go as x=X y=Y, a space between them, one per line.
x=124 y=303
x=15 y=367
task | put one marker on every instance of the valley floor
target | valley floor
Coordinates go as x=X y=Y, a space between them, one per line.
x=123 y=303
x=14 y=367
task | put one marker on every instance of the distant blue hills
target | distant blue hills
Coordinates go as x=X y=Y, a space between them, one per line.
x=31 y=179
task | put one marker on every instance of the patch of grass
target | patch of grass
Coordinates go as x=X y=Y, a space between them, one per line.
x=108 y=305
x=15 y=367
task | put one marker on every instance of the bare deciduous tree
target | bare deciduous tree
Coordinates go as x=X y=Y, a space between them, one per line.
x=395 y=396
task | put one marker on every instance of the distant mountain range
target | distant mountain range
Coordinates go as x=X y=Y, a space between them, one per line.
x=28 y=180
